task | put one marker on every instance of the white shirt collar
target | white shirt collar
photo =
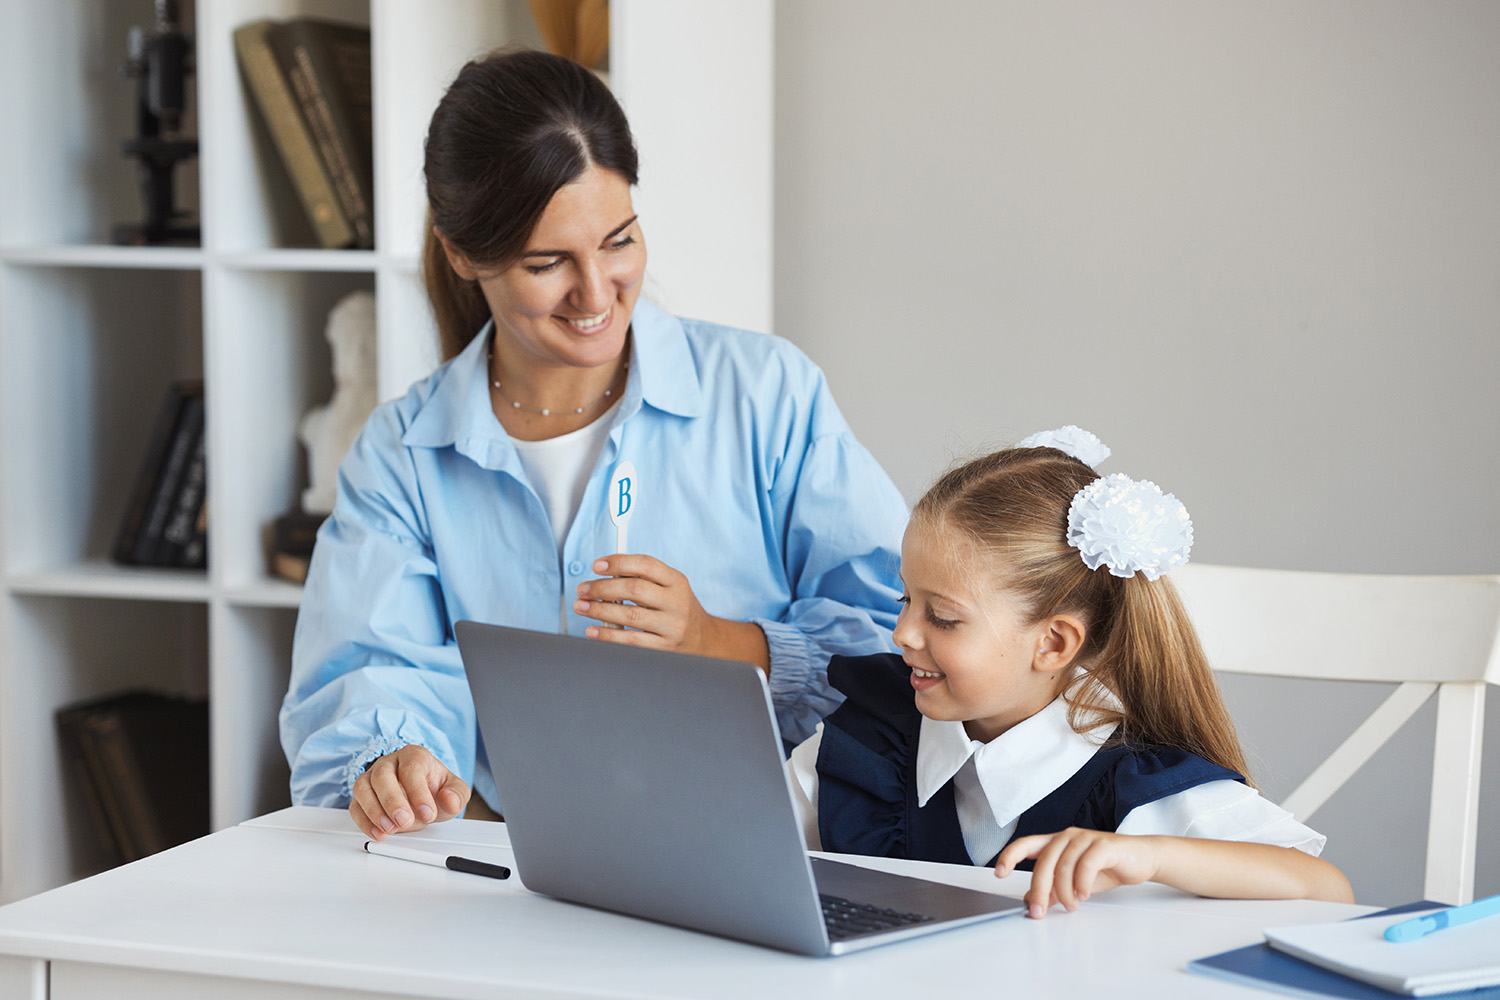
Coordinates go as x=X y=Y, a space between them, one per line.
x=1017 y=769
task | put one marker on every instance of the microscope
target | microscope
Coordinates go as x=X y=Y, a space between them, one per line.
x=160 y=60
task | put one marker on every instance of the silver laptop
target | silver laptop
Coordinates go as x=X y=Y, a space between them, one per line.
x=653 y=784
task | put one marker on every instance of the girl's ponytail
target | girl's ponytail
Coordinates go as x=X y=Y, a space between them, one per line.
x=1155 y=666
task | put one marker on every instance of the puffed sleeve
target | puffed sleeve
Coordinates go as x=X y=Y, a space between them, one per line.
x=843 y=523
x=1222 y=810
x=373 y=667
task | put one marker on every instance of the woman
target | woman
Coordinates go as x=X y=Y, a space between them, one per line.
x=482 y=493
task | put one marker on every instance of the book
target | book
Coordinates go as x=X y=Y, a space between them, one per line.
x=88 y=773
x=149 y=543
x=143 y=759
x=271 y=93
x=187 y=503
x=168 y=453
x=327 y=64
x=1463 y=957
x=150 y=469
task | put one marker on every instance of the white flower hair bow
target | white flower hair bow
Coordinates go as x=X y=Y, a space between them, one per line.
x=1072 y=440
x=1129 y=525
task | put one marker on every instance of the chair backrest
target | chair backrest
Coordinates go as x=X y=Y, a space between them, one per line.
x=1427 y=634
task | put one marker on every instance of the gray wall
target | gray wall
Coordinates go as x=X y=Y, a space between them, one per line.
x=1254 y=246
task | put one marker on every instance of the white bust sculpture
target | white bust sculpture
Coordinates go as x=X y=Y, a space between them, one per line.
x=327 y=431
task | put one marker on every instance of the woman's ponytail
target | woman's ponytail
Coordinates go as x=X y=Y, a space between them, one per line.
x=457 y=305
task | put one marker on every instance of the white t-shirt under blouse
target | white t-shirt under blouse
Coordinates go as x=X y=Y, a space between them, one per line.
x=995 y=782
x=559 y=470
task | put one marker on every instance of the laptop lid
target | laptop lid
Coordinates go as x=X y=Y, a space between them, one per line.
x=653 y=784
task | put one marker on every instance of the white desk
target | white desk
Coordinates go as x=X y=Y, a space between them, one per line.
x=289 y=906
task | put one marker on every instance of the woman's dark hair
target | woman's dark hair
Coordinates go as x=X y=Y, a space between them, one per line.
x=513 y=128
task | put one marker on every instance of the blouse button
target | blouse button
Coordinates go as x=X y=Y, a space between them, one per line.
x=575 y=568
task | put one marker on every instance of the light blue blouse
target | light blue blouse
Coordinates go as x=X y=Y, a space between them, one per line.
x=748 y=480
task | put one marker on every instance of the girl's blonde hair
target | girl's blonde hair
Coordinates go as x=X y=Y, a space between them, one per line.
x=1140 y=644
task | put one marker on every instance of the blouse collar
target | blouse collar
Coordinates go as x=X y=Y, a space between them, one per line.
x=663 y=374
x=1018 y=768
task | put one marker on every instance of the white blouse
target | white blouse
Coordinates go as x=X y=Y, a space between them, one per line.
x=995 y=782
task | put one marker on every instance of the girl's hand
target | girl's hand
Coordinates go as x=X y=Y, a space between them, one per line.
x=404 y=791
x=663 y=612
x=1074 y=864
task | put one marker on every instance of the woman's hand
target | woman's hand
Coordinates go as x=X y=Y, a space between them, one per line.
x=663 y=612
x=1074 y=864
x=404 y=791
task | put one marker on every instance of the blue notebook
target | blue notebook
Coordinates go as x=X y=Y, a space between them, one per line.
x=1264 y=967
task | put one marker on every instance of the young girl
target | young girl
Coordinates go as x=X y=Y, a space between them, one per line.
x=1051 y=705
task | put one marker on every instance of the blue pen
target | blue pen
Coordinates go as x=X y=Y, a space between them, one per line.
x=1410 y=930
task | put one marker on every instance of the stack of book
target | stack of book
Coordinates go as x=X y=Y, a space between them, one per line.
x=310 y=80
x=1419 y=949
x=166 y=516
x=141 y=759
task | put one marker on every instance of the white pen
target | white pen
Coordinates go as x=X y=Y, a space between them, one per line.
x=622 y=493
x=452 y=861
x=621 y=500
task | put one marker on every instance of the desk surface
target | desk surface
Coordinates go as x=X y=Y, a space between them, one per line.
x=291 y=898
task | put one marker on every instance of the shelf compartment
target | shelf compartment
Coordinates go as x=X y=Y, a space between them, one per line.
x=89 y=355
x=269 y=364
x=69 y=180
x=255 y=204
x=64 y=650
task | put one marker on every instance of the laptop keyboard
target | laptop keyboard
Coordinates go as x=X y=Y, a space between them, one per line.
x=846 y=918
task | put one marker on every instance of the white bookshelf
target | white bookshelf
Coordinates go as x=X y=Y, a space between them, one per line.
x=91 y=334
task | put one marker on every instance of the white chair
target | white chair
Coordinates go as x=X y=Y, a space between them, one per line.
x=1426 y=633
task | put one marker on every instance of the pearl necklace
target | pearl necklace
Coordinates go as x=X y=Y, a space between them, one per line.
x=541 y=411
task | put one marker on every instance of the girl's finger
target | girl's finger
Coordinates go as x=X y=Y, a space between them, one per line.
x=1064 y=873
x=1086 y=872
x=1043 y=891
x=1019 y=850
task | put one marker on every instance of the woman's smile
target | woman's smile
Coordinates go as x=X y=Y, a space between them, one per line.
x=591 y=324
